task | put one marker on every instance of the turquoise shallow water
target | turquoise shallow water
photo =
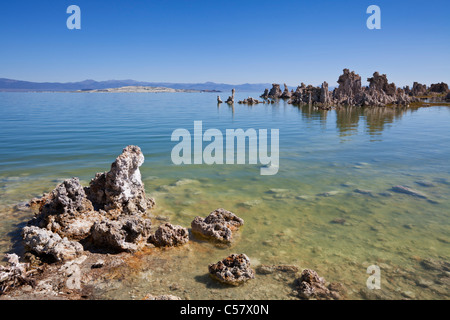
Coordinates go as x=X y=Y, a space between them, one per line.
x=324 y=157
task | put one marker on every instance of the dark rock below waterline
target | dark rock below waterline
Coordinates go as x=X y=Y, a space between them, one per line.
x=409 y=191
x=311 y=286
x=234 y=270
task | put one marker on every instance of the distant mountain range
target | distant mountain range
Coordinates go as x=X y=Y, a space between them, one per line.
x=19 y=85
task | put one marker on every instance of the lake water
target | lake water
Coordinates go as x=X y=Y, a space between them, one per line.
x=338 y=164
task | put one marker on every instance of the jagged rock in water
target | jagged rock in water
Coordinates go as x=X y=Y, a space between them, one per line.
x=230 y=99
x=219 y=100
x=249 y=101
x=325 y=97
x=265 y=95
x=439 y=87
x=349 y=90
x=286 y=93
x=218 y=225
x=129 y=233
x=418 y=89
x=311 y=286
x=43 y=241
x=275 y=92
x=67 y=213
x=121 y=189
x=66 y=210
x=233 y=270
x=447 y=97
x=380 y=83
x=168 y=235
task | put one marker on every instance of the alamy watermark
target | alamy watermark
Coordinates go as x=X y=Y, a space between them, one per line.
x=374 y=280
x=374 y=21
x=233 y=151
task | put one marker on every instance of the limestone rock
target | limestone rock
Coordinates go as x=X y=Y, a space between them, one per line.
x=286 y=93
x=311 y=286
x=129 y=233
x=249 y=101
x=439 y=87
x=418 y=89
x=168 y=235
x=218 y=225
x=234 y=270
x=121 y=188
x=230 y=99
x=43 y=241
x=275 y=92
x=265 y=95
x=66 y=210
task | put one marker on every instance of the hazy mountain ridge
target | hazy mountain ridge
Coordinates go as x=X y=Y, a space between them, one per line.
x=20 y=85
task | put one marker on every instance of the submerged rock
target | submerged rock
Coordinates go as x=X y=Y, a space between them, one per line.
x=249 y=101
x=311 y=286
x=230 y=99
x=66 y=210
x=46 y=242
x=349 y=92
x=275 y=92
x=233 y=270
x=218 y=225
x=407 y=190
x=108 y=214
x=168 y=235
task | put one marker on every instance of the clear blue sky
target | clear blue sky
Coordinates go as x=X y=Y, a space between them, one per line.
x=224 y=41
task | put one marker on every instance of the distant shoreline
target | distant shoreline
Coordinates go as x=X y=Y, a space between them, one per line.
x=126 y=89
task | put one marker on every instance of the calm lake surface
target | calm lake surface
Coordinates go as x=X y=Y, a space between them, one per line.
x=339 y=164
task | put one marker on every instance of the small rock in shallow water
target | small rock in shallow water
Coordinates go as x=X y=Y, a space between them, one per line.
x=311 y=286
x=234 y=270
x=218 y=225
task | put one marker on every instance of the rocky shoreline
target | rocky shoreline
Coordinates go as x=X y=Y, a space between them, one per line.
x=80 y=234
x=351 y=92
x=83 y=237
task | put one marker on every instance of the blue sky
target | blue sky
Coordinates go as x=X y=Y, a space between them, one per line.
x=224 y=41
